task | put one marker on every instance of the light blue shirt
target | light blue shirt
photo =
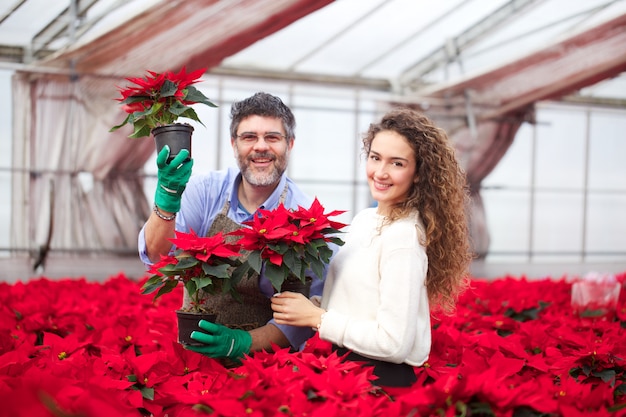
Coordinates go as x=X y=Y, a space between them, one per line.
x=203 y=200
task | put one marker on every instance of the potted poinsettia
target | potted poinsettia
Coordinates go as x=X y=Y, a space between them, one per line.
x=286 y=244
x=157 y=101
x=205 y=266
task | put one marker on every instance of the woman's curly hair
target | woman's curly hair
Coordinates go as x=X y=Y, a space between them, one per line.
x=441 y=197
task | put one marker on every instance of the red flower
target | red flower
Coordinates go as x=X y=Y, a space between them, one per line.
x=284 y=242
x=160 y=99
x=202 y=264
x=72 y=347
x=207 y=249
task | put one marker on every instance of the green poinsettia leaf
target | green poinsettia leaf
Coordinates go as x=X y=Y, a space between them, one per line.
x=191 y=286
x=318 y=269
x=196 y=96
x=139 y=117
x=337 y=241
x=168 y=286
x=140 y=132
x=170 y=270
x=593 y=313
x=325 y=254
x=255 y=261
x=606 y=375
x=294 y=263
x=226 y=285
x=276 y=275
x=114 y=128
x=135 y=99
x=186 y=262
x=217 y=271
x=147 y=393
x=178 y=108
x=191 y=114
x=152 y=284
x=239 y=272
x=279 y=247
x=203 y=283
x=168 y=89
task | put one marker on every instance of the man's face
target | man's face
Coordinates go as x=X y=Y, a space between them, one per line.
x=261 y=150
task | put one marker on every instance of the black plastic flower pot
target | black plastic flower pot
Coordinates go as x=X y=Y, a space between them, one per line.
x=188 y=323
x=177 y=136
x=296 y=285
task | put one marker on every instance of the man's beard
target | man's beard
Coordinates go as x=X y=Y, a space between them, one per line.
x=266 y=177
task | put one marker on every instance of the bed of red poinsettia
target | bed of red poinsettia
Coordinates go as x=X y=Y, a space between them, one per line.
x=514 y=348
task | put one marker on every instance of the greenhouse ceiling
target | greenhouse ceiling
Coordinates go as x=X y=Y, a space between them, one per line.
x=495 y=49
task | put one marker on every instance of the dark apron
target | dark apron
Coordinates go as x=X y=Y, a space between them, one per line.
x=254 y=310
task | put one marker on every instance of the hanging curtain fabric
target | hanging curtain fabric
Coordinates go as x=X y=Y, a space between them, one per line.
x=479 y=151
x=76 y=187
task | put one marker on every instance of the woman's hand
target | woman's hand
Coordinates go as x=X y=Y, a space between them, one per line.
x=295 y=309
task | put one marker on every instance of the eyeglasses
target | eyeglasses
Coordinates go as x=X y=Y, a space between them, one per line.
x=271 y=137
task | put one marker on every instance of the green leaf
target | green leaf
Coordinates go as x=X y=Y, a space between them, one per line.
x=616 y=407
x=255 y=261
x=202 y=283
x=480 y=409
x=168 y=286
x=593 y=313
x=168 y=89
x=191 y=114
x=606 y=375
x=204 y=408
x=337 y=241
x=114 y=128
x=239 y=272
x=140 y=132
x=276 y=275
x=178 y=108
x=170 y=270
x=191 y=286
x=186 y=262
x=318 y=269
x=217 y=271
x=294 y=263
x=527 y=314
x=147 y=393
x=325 y=254
x=152 y=284
x=196 y=96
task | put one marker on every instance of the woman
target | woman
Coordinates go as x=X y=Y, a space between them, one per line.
x=409 y=254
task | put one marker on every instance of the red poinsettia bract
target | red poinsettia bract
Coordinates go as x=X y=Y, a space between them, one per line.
x=73 y=347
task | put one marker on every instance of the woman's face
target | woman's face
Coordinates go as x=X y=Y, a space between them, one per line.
x=391 y=169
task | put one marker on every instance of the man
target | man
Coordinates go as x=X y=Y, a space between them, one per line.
x=262 y=134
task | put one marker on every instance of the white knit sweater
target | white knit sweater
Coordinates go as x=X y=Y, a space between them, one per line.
x=376 y=301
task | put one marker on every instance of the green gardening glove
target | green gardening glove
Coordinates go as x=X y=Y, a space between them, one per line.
x=172 y=179
x=220 y=341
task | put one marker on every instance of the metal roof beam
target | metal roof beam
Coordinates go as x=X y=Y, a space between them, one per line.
x=60 y=25
x=455 y=46
x=354 y=81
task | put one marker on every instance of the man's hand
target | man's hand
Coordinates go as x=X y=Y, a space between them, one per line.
x=172 y=179
x=220 y=341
